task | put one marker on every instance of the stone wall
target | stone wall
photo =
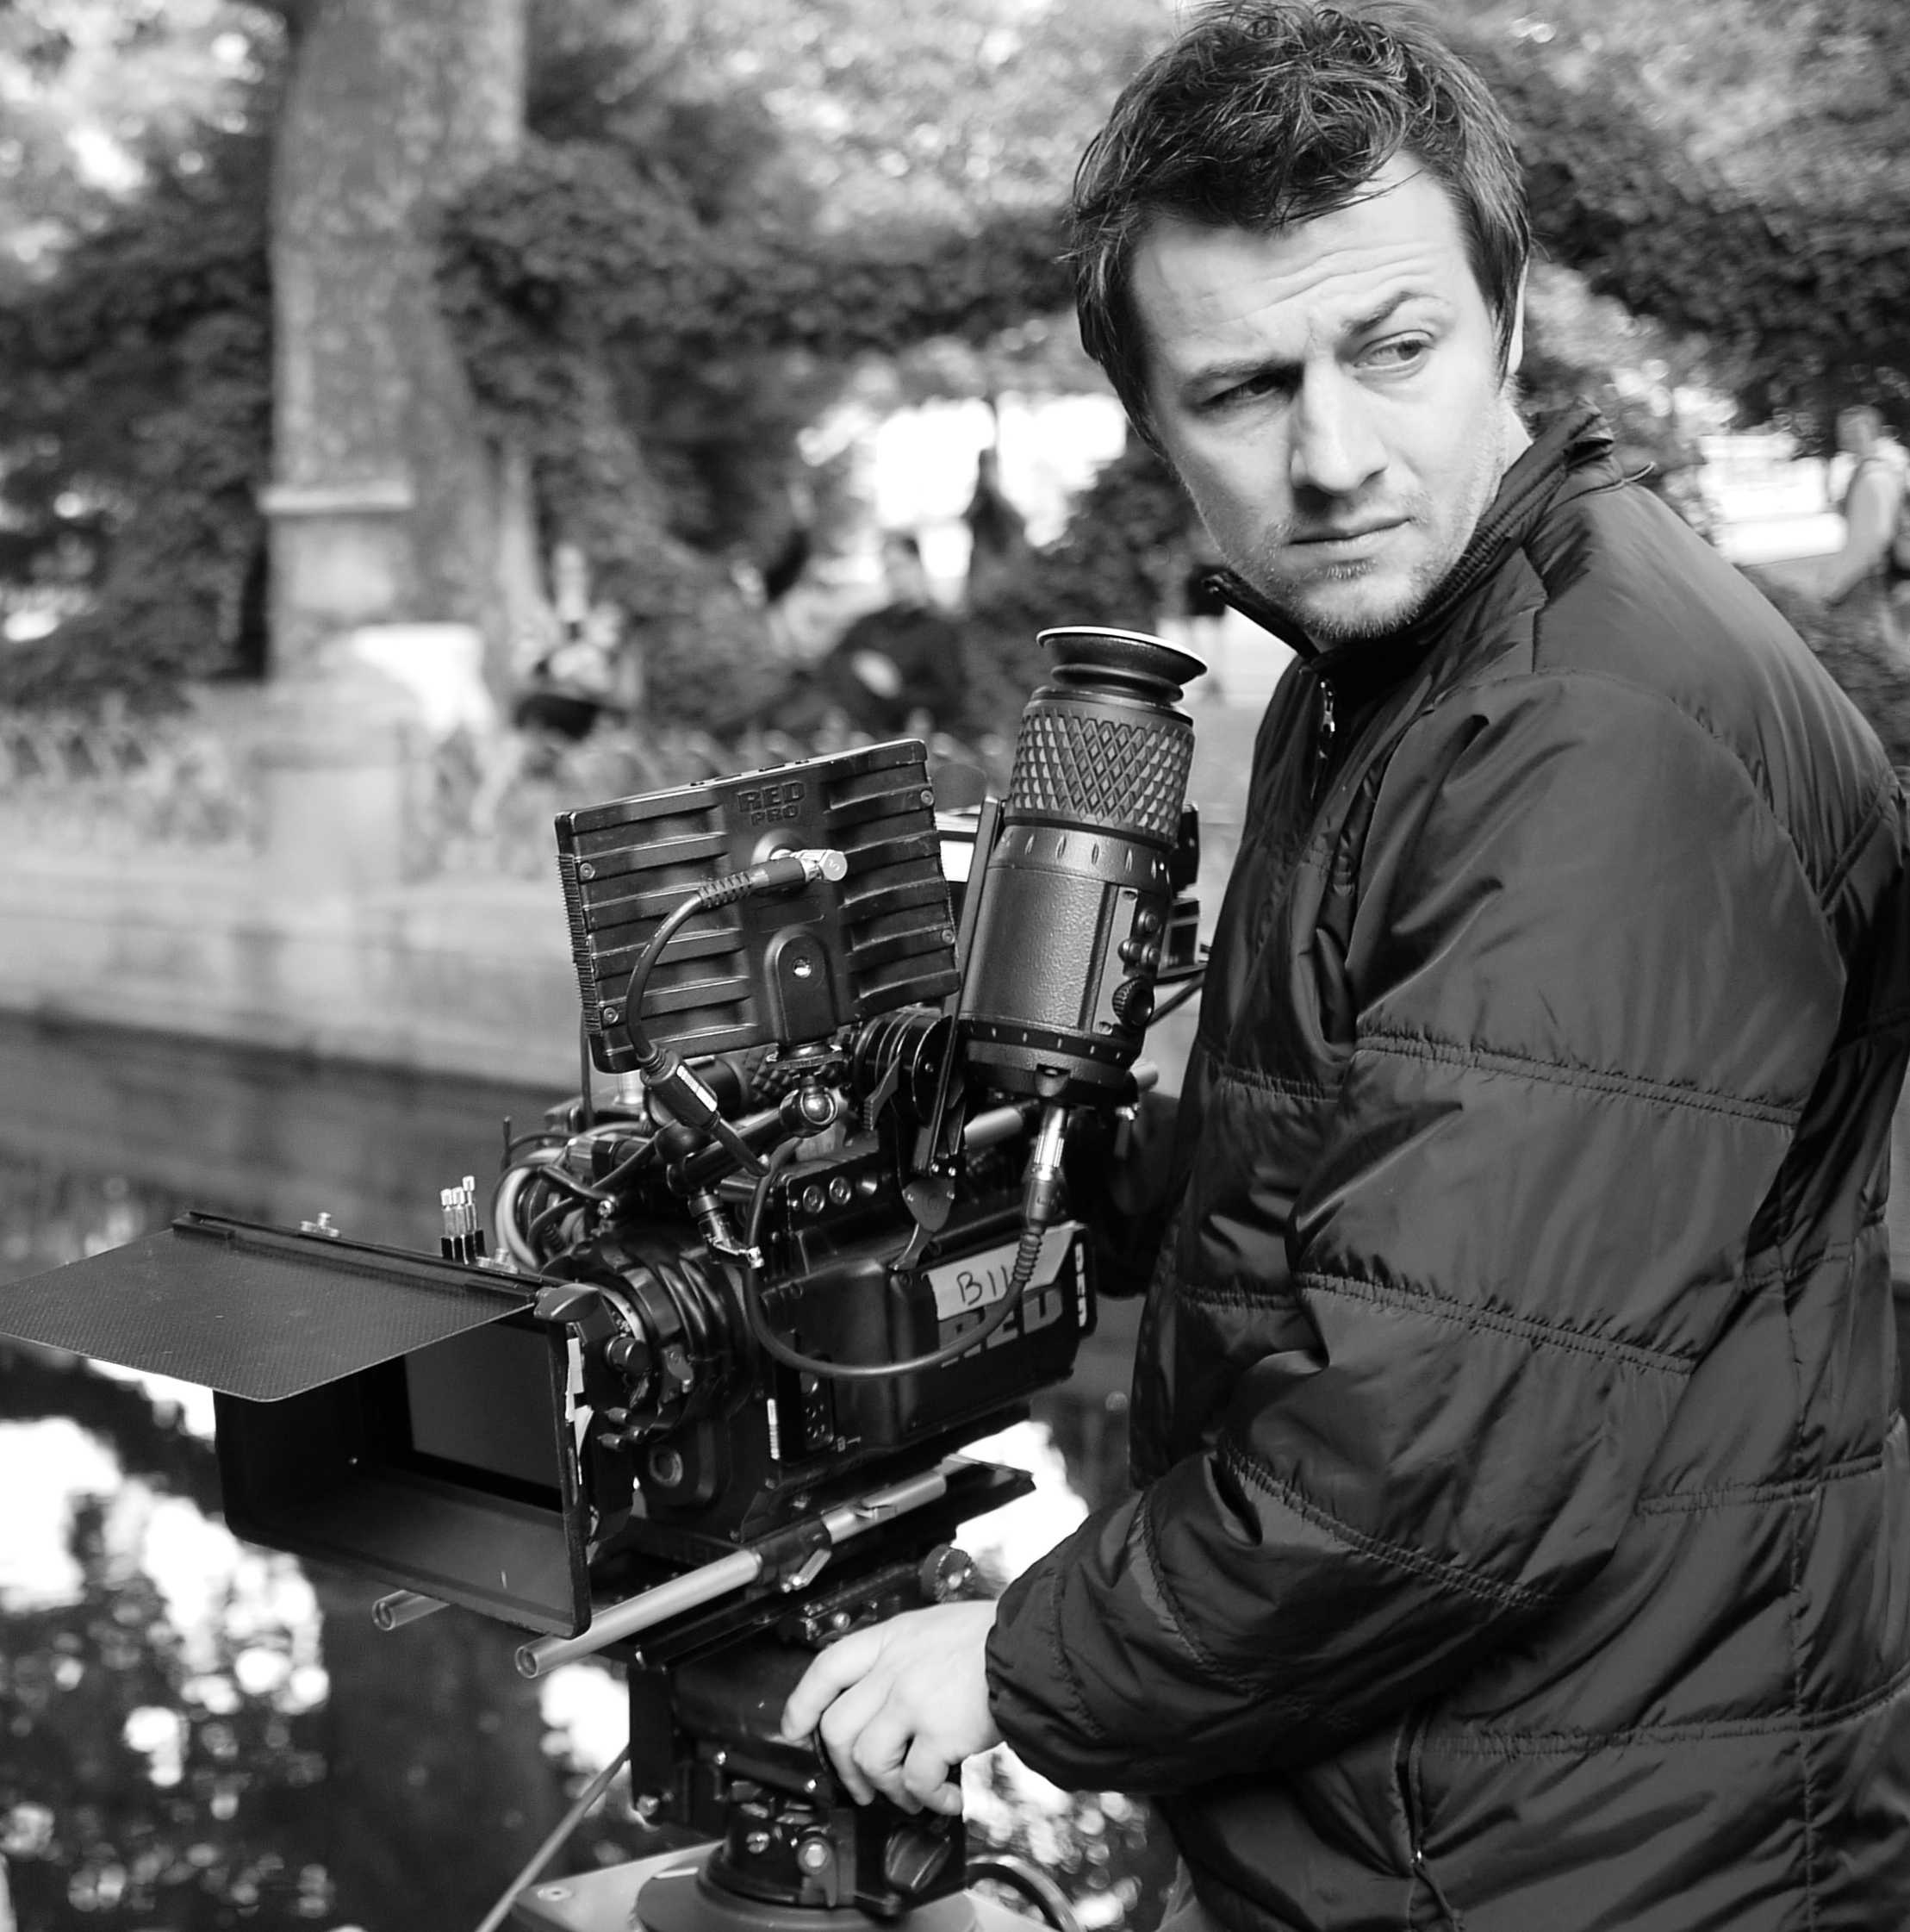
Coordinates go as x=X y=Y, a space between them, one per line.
x=460 y=977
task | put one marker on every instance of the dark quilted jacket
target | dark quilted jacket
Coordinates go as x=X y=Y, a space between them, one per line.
x=1525 y=1536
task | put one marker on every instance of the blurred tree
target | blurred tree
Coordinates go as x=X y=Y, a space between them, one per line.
x=942 y=112
x=92 y=90
x=134 y=435
x=725 y=206
x=136 y=440
x=387 y=504
x=1731 y=167
x=722 y=206
x=1580 y=346
x=131 y=295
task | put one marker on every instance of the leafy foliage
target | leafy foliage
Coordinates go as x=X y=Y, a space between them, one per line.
x=724 y=206
x=91 y=92
x=134 y=423
x=926 y=113
x=136 y=435
x=649 y=302
x=1742 y=182
x=1582 y=348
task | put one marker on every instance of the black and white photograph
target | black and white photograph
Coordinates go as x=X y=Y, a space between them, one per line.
x=955 y=965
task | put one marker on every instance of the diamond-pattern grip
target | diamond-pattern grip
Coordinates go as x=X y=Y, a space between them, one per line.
x=1103 y=771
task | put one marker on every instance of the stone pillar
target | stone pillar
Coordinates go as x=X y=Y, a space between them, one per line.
x=335 y=769
x=387 y=497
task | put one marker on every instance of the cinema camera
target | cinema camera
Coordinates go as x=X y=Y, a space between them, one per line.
x=703 y=1411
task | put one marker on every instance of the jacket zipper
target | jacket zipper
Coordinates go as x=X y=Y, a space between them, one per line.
x=1323 y=740
x=1406 y=1768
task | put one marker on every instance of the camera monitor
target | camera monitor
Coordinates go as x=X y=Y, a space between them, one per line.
x=761 y=970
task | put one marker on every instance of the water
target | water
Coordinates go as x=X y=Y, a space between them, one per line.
x=195 y=1733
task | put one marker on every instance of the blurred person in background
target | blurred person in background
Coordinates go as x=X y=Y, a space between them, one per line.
x=582 y=676
x=585 y=673
x=1521 y=1537
x=1865 y=576
x=899 y=668
x=998 y=531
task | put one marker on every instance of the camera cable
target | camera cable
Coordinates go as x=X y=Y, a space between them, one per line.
x=543 y=1165
x=785 y=872
x=552 y=1845
x=1032 y=1884
x=1027 y=1254
x=1176 y=999
x=676 y=1086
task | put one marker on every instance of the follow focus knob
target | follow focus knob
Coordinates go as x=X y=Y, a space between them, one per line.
x=1134 y=1002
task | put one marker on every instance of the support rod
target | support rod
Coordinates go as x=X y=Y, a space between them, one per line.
x=728 y=1574
x=402 y=1607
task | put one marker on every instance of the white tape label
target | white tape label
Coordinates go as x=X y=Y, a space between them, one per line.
x=978 y=1281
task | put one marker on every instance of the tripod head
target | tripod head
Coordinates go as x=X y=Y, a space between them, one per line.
x=706 y=1696
x=789 y=1851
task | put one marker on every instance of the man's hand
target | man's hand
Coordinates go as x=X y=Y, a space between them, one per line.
x=900 y=1704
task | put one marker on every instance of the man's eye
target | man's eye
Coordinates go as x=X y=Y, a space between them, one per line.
x=1249 y=390
x=1398 y=352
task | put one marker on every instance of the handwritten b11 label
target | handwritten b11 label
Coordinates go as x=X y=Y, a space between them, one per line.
x=978 y=1281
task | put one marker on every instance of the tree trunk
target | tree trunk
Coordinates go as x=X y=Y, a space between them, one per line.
x=386 y=502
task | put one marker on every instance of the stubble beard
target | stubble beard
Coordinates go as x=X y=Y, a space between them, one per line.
x=1289 y=593
x=1329 y=619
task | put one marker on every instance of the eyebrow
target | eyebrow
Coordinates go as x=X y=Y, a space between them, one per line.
x=1245 y=366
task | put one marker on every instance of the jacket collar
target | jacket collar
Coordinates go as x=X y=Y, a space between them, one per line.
x=1574 y=442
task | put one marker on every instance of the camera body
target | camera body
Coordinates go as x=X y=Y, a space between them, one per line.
x=818 y=1022
x=687 y=1450
x=591 y=1413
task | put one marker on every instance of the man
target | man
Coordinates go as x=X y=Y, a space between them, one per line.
x=905 y=659
x=1522 y=1535
x=1863 y=573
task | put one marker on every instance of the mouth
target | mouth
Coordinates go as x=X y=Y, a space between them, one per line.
x=1349 y=538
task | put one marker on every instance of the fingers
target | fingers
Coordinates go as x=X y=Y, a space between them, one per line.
x=929 y=1780
x=896 y=1707
x=842 y=1664
x=876 y=1739
x=874 y=1752
x=882 y=1749
x=866 y=1752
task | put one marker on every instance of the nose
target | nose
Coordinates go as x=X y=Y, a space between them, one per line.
x=1335 y=449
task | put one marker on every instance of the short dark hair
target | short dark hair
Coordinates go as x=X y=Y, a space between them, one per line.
x=1263 y=113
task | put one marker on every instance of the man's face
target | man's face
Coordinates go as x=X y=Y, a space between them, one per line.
x=1331 y=397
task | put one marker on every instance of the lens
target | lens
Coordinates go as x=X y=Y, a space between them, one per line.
x=1059 y=985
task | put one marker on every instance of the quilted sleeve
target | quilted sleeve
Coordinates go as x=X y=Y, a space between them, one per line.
x=1594 y=988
